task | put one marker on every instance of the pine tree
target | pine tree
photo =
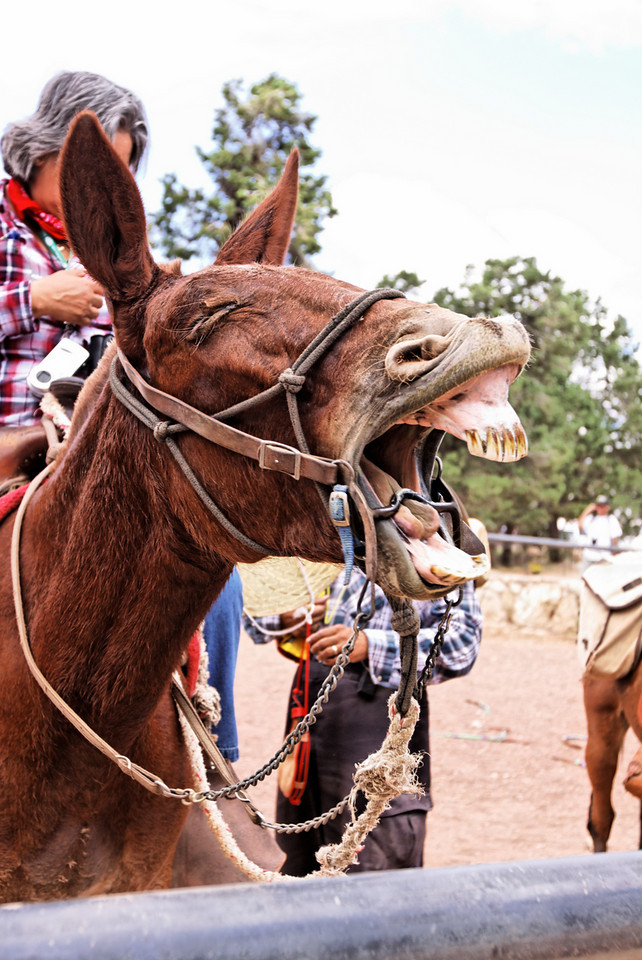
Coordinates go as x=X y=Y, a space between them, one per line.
x=252 y=138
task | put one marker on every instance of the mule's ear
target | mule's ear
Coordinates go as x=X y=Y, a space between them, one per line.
x=265 y=236
x=103 y=212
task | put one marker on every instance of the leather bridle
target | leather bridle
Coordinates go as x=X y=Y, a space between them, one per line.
x=338 y=475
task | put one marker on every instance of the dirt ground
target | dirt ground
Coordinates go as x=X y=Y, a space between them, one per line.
x=507 y=750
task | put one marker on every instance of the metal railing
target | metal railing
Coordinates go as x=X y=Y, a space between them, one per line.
x=588 y=906
x=554 y=542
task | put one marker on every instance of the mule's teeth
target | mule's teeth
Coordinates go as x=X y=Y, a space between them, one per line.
x=501 y=444
x=521 y=441
x=510 y=446
x=446 y=576
x=474 y=442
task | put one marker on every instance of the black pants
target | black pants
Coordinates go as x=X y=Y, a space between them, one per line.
x=353 y=725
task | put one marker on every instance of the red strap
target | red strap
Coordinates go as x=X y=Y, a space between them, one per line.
x=193 y=660
x=11 y=501
x=299 y=708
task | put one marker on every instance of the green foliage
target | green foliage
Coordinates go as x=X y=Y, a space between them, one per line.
x=404 y=281
x=579 y=400
x=252 y=138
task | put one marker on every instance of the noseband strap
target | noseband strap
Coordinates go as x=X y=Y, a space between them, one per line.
x=270 y=455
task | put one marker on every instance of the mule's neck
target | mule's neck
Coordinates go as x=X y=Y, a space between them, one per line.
x=126 y=584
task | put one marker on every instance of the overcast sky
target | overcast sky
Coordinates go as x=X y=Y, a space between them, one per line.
x=452 y=131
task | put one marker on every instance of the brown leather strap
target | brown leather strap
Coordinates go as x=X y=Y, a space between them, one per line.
x=210 y=749
x=270 y=455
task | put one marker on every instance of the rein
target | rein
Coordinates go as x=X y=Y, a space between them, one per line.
x=144 y=777
x=270 y=455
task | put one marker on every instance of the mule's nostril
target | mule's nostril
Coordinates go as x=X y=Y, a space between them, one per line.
x=409 y=358
x=431 y=347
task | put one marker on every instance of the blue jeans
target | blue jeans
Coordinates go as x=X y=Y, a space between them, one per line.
x=222 y=631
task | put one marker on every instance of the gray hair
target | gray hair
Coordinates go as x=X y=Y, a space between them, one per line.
x=42 y=135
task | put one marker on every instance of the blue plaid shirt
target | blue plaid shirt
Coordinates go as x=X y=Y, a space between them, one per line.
x=458 y=652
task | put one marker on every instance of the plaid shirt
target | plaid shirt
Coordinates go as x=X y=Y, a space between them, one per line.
x=25 y=341
x=458 y=652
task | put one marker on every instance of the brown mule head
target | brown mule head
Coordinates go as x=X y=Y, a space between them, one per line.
x=225 y=333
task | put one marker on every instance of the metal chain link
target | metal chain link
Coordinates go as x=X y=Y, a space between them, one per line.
x=328 y=686
x=435 y=647
x=296 y=735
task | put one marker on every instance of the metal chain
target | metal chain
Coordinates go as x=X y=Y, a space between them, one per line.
x=435 y=647
x=329 y=684
x=295 y=736
x=303 y=726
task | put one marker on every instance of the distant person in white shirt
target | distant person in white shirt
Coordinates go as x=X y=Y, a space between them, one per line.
x=600 y=528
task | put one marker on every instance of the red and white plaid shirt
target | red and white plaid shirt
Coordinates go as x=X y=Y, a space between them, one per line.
x=25 y=341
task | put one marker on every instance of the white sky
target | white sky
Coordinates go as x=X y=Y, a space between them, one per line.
x=452 y=131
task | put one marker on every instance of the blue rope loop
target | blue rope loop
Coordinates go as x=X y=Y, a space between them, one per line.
x=340 y=515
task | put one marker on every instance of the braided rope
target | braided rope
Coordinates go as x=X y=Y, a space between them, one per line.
x=163 y=432
x=215 y=819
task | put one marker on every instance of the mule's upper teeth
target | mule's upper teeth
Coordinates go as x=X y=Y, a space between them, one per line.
x=503 y=444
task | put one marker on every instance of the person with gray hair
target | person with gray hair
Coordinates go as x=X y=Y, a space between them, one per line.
x=45 y=293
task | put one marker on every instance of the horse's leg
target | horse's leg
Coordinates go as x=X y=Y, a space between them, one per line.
x=633 y=778
x=606 y=727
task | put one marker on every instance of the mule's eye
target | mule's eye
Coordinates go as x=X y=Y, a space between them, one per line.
x=204 y=325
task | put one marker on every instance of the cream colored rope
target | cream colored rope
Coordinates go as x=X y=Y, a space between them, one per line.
x=385 y=774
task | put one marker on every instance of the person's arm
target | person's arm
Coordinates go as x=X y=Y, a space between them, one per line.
x=261 y=629
x=16 y=315
x=459 y=650
x=68 y=296
x=616 y=530
x=584 y=515
x=462 y=640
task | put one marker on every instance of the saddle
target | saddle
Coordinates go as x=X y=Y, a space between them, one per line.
x=24 y=451
x=610 y=626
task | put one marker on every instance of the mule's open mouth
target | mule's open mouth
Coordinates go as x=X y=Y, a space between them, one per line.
x=401 y=457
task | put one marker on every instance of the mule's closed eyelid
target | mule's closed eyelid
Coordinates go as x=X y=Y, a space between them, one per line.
x=214 y=312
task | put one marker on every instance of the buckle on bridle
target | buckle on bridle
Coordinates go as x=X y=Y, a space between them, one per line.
x=339 y=507
x=280 y=457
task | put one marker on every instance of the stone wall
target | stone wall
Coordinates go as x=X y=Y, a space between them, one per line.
x=542 y=603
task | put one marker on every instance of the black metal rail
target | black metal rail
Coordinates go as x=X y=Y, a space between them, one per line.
x=587 y=906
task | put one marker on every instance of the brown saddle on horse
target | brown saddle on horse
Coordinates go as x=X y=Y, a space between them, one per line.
x=24 y=451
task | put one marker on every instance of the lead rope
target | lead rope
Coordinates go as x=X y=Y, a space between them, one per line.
x=384 y=775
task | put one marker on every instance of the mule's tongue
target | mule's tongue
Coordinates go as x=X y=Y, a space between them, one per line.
x=435 y=560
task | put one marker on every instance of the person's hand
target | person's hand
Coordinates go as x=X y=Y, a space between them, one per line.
x=69 y=296
x=327 y=642
x=290 y=621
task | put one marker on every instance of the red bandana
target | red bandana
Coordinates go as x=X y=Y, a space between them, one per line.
x=23 y=204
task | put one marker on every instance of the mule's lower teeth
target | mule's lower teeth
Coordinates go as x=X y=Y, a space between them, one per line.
x=445 y=576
